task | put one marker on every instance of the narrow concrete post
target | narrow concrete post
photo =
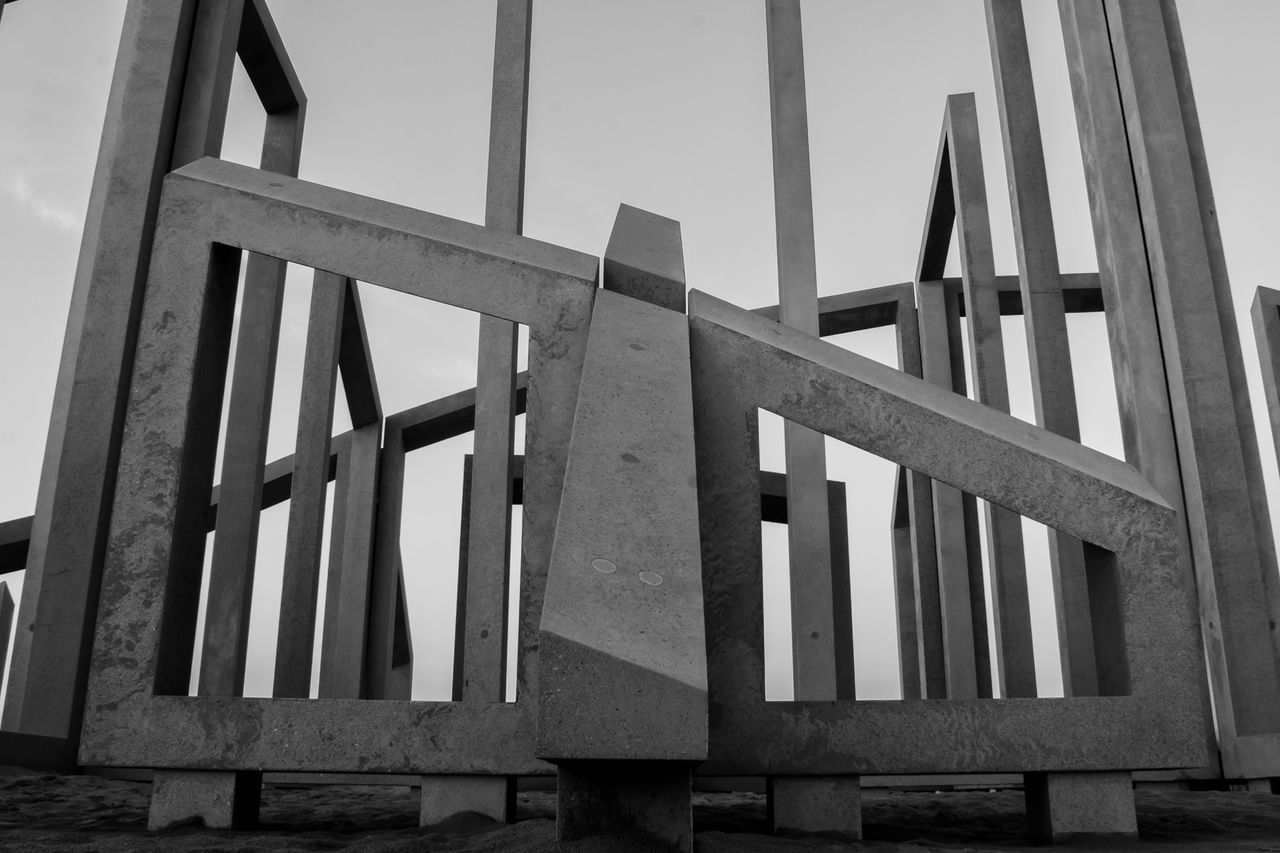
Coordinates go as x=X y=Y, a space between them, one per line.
x=301 y=583
x=962 y=172
x=1265 y=312
x=77 y=483
x=1044 y=315
x=1067 y=806
x=816 y=656
x=6 y=623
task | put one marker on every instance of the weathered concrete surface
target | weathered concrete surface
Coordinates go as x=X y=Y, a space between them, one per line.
x=816 y=804
x=445 y=796
x=181 y=356
x=621 y=640
x=648 y=800
x=814 y=655
x=645 y=258
x=220 y=799
x=1265 y=312
x=69 y=532
x=1066 y=806
x=1232 y=555
x=970 y=447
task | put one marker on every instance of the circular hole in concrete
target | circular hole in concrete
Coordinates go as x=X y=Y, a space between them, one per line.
x=605 y=567
x=651 y=578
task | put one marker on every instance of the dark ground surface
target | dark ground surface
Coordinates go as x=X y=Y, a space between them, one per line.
x=84 y=813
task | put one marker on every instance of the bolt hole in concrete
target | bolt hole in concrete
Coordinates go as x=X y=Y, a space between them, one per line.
x=630 y=457
x=651 y=578
x=603 y=566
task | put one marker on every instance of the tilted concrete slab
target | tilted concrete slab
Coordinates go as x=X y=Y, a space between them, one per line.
x=1156 y=723
x=621 y=642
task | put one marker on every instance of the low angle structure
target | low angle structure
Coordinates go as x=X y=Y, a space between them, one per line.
x=639 y=640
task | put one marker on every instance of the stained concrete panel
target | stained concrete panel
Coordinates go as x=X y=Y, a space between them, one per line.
x=621 y=640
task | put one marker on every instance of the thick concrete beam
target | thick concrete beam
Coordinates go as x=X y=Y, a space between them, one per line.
x=56 y=615
x=645 y=258
x=295 y=636
x=623 y=606
x=1222 y=509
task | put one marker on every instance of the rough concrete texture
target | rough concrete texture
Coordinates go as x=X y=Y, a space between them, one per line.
x=169 y=444
x=648 y=800
x=623 y=666
x=827 y=804
x=971 y=447
x=445 y=796
x=1062 y=806
x=645 y=258
x=221 y=800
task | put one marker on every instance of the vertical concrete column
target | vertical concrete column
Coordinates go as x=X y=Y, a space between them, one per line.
x=1052 y=384
x=226 y=626
x=1266 y=334
x=1231 y=558
x=1067 y=806
x=6 y=623
x=482 y=628
x=1142 y=386
x=923 y=554
x=295 y=640
x=814 y=652
x=964 y=173
x=904 y=595
x=960 y=660
x=383 y=584
x=77 y=483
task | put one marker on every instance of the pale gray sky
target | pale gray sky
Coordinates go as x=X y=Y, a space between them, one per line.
x=662 y=104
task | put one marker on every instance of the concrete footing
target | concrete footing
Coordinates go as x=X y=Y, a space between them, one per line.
x=828 y=804
x=222 y=799
x=1062 y=806
x=650 y=800
x=445 y=796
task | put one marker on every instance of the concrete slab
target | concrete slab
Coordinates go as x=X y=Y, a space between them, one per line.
x=825 y=804
x=621 y=641
x=218 y=799
x=1075 y=806
x=650 y=801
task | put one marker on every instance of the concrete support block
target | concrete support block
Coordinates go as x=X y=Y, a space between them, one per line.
x=446 y=796
x=221 y=799
x=645 y=258
x=649 y=800
x=1063 y=806
x=1260 y=786
x=829 y=804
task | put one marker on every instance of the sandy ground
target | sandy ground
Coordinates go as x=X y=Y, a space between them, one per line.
x=82 y=813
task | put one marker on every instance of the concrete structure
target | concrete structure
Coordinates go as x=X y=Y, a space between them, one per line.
x=640 y=482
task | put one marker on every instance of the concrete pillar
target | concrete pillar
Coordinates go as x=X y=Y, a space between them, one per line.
x=220 y=799
x=1066 y=806
x=301 y=583
x=1044 y=315
x=445 y=796
x=1265 y=312
x=1230 y=543
x=827 y=804
x=6 y=624
x=652 y=801
x=77 y=483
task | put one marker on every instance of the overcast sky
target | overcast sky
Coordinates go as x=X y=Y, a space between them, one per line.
x=662 y=104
